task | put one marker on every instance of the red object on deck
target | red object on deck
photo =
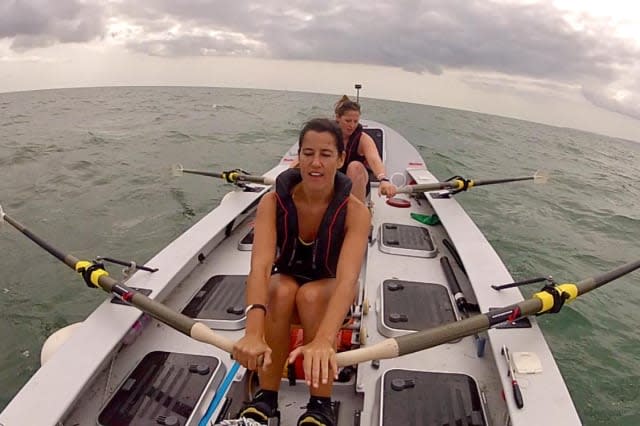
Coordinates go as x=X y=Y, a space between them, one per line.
x=399 y=202
x=296 y=339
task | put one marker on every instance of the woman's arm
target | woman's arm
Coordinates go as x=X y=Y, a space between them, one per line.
x=252 y=345
x=369 y=150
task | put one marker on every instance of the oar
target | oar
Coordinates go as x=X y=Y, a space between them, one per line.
x=98 y=277
x=232 y=176
x=539 y=303
x=461 y=184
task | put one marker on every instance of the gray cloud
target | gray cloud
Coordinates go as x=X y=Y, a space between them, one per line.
x=194 y=46
x=601 y=97
x=418 y=36
x=500 y=83
x=527 y=40
x=39 y=23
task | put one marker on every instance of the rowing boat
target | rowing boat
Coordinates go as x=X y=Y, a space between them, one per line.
x=427 y=267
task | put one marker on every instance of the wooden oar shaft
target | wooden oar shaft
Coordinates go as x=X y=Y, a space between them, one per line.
x=166 y=315
x=231 y=176
x=592 y=283
x=452 y=331
x=202 y=173
x=66 y=259
x=421 y=340
x=506 y=180
x=388 y=348
x=425 y=339
x=457 y=184
x=426 y=187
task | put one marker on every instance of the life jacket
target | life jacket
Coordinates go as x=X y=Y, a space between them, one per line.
x=351 y=152
x=330 y=234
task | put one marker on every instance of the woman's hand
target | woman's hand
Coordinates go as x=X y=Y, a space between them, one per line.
x=387 y=188
x=319 y=361
x=252 y=352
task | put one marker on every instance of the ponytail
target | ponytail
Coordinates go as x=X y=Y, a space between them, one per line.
x=345 y=104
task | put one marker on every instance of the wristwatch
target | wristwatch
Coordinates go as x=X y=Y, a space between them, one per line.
x=255 y=306
x=385 y=179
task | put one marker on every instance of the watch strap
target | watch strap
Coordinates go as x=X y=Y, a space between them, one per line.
x=255 y=306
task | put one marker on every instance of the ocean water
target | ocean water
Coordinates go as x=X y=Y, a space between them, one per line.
x=88 y=170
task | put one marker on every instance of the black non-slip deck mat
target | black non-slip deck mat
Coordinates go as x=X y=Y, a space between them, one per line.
x=406 y=240
x=410 y=305
x=406 y=237
x=163 y=389
x=430 y=399
x=221 y=298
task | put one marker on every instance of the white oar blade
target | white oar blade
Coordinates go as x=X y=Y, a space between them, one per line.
x=541 y=176
x=177 y=170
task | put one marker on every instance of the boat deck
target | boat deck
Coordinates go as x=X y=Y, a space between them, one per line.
x=404 y=285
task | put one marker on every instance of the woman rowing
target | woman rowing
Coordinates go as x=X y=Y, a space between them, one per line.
x=310 y=239
x=362 y=161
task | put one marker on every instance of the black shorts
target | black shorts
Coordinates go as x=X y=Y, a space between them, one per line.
x=300 y=279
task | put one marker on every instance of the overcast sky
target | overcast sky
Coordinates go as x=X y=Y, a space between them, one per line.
x=562 y=62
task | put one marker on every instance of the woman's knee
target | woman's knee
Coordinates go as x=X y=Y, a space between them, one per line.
x=282 y=293
x=357 y=172
x=315 y=295
x=307 y=296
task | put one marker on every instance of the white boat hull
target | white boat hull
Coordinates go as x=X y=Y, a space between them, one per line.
x=79 y=379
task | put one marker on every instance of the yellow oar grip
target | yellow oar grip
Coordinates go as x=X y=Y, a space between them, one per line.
x=82 y=264
x=569 y=288
x=230 y=177
x=95 y=275
x=547 y=298
x=460 y=184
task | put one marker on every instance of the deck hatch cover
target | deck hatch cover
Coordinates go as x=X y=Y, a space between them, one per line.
x=412 y=397
x=220 y=302
x=407 y=240
x=413 y=306
x=164 y=388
